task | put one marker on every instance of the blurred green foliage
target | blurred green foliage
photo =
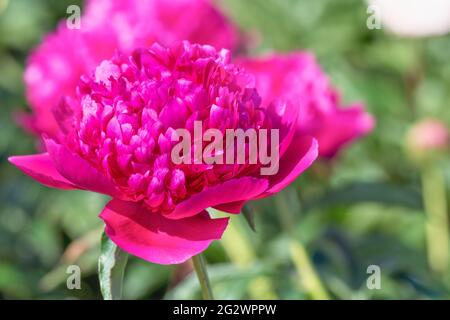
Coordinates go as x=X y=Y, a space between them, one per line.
x=363 y=208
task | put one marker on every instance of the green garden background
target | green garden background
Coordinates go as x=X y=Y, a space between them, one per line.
x=315 y=240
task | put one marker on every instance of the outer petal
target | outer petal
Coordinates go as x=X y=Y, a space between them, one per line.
x=41 y=168
x=341 y=128
x=232 y=207
x=300 y=154
x=78 y=171
x=298 y=157
x=230 y=191
x=152 y=237
x=284 y=117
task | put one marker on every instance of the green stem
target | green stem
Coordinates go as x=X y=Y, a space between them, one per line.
x=3 y=5
x=239 y=249
x=435 y=202
x=309 y=278
x=202 y=275
x=286 y=202
x=111 y=269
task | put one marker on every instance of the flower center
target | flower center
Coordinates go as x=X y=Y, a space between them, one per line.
x=125 y=114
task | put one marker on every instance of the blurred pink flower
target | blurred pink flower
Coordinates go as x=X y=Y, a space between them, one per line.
x=298 y=78
x=427 y=138
x=55 y=66
x=117 y=141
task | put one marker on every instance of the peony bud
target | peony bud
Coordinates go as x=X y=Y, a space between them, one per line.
x=427 y=139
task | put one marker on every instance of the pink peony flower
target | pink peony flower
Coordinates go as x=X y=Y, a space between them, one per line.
x=298 y=78
x=117 y=134
x=56 y=65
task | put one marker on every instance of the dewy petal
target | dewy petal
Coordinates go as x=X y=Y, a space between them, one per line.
x=152 y=237
x=78 y=170
x=298 y=157
x=240 y=189
x=41 y=168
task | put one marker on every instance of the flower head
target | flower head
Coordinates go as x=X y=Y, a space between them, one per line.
x=117 y=139
x=125 y=116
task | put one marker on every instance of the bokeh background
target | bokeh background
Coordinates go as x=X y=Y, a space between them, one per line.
x=316 y=239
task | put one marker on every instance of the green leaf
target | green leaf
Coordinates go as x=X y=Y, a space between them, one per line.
x=228 y=282
x=249 y=215
x=111 y=268
x=377 y=192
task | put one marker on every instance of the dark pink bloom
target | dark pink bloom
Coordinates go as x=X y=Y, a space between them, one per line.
x=56 y=65
x=298 y=78
x=116 y=140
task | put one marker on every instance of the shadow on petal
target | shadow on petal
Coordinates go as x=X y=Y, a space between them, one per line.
x=152 y=237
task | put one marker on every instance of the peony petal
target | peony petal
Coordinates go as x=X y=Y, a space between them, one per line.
x=281 y=76
x=79 y=171
x=152 y=237
x=284 y=116
x=231 y=207
x=298 y=157
x=341 y=128
x=41 y=168
x=240 y=189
